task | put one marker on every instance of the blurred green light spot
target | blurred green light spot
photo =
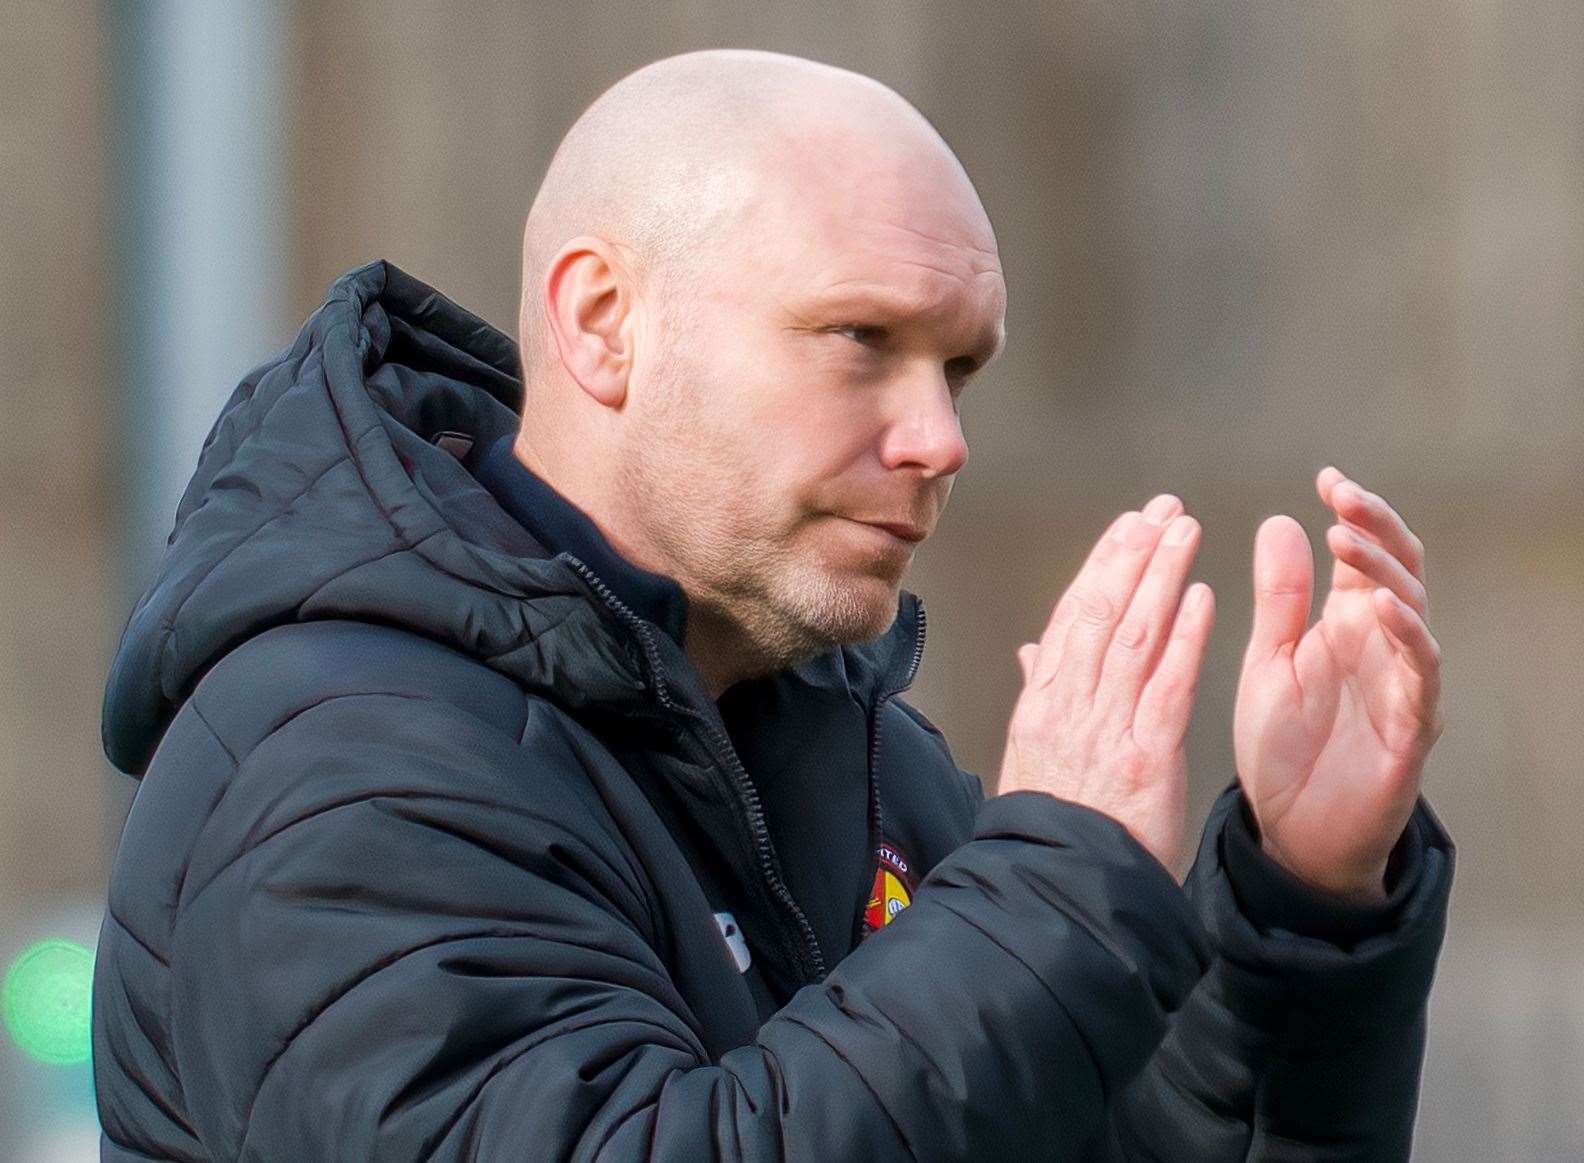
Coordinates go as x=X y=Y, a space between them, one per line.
x=46 y=999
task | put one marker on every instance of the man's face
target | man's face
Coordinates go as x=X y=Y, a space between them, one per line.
x=807 y=395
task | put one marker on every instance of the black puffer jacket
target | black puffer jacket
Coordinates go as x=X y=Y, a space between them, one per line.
x=439 y=846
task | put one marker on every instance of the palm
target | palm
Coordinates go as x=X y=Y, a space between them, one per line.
x=1330 y=730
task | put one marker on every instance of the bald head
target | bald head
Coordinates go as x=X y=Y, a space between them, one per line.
x=754 y=291
x=669 y=164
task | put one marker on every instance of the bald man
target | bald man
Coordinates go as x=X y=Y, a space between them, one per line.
x=524 y=768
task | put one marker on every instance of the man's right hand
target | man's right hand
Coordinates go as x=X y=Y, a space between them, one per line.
x=1108 y=690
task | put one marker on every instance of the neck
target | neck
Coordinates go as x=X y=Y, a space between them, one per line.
x=718 y=646
x=567 y=479
x=721 y=651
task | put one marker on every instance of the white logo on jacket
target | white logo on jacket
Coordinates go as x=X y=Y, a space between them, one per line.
x=732 y=931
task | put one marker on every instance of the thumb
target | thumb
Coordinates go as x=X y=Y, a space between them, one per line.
x=1283 y=588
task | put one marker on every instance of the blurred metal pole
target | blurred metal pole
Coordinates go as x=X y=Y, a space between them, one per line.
x=202 y=238
x=201 y=220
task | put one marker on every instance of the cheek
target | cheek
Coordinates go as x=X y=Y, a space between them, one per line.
x=782 y=437
x=818 y=433
x=803 y=467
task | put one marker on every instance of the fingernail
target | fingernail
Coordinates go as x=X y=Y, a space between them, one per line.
x=1179 y=530
x=1160 y=508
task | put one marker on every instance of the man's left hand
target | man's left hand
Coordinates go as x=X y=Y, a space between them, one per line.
x=1333 y=722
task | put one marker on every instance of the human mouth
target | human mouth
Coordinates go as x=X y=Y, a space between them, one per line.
x=900 y=530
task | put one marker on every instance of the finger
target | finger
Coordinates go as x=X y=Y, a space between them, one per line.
x=1410 y=634
x=1166 y=704
x=1369 y=513
x=1378 y=567
x=1326 y=480
x=1103 y=597
x=1417 y=647
x=1095 y=593
x=1142 y=633
x=1283 y=587
x=1067 y=608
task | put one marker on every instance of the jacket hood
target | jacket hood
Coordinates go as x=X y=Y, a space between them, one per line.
x=335 y=484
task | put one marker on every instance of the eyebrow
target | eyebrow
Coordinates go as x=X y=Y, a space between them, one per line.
x=989 y=343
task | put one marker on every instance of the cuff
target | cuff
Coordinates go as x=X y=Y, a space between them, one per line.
x=1271 y=897
x=1302 y=991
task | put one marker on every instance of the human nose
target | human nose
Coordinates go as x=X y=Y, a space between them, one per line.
x=927 y=434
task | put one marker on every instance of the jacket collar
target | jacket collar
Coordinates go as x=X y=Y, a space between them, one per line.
x=558 y=524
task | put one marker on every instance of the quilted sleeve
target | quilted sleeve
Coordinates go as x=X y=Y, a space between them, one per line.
x=1306 y=1038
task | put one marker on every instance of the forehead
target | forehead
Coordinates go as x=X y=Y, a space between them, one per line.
x=908 y=234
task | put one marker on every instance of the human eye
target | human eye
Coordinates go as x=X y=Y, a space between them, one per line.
x=867 y=334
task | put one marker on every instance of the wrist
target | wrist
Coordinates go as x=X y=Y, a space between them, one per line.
x=1273 y=897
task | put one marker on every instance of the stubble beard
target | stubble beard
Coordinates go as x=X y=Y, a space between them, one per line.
x=742 y=570
x=795 y=607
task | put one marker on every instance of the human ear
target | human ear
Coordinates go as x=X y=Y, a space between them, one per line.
x=588 y=303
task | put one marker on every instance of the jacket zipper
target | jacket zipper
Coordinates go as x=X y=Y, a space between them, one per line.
x=808 y=957
x=876 y=818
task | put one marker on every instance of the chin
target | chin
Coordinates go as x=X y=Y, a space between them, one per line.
x=823 y=599
x=883 y=607
x=877 y=628
x=853 y=609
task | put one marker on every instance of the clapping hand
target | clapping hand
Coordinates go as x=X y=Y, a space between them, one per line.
x=1334 y=721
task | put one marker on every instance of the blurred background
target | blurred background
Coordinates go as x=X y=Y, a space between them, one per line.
x=1242 y=240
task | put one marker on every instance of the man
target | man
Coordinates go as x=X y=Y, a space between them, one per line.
x=524 y=773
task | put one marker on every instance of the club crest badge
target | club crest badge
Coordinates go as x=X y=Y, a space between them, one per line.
x=895 y=880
